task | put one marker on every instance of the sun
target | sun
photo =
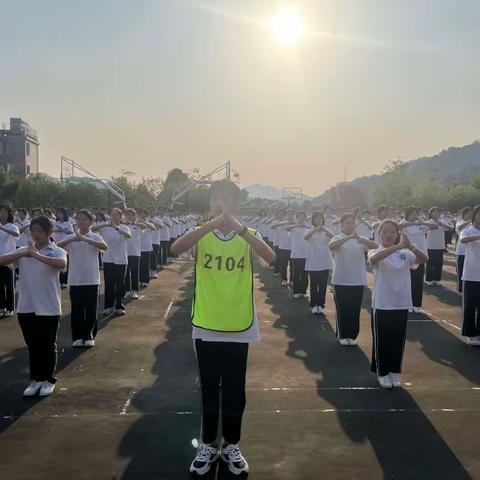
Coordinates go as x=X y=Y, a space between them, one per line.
x=287 y=27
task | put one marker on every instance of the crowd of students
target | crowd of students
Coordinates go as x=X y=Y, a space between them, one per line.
x=43 y=251
x=405 y=251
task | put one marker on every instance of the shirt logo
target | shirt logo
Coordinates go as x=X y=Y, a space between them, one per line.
x=402 y=256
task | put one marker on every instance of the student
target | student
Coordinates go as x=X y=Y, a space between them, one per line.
x=39 y=303
x=470 y=237
x=146 y=246
x=363 y=228
x=391 y=300
x=349 y=277
x=83 y=279
x=23 y=224
x=285 y=246
x=155 y=254
x=319 y=261
x=9 y=233
x=132 y=277
x=460 y=248
x=416 y=231
x=115 y=261
x=436 y=247
x=298 y=254
x=278 y=219
x=224 y=321
x=164 y=239
x=62 y=227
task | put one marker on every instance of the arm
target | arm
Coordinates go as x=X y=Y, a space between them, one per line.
x=473 y=238
x=9 y=258
x=100 y=244
x=187 y=241
x=13 y=233
x=367 y=242
x=334 y=244
x=125 y=233
x=57 y=263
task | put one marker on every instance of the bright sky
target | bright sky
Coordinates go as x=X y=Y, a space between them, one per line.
x=156 y=84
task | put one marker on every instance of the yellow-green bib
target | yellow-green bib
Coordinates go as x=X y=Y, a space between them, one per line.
x=223 y=299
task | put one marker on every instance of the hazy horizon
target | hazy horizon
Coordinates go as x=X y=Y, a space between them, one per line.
x=192 y=84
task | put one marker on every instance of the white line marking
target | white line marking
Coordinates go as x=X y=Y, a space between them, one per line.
x=169 y=307
x=436 y=319
x=127 y=403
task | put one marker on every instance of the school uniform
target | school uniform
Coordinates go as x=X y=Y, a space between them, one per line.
x=39 y=310
x=391 y=301
x=298 y=254
x=115 y=261
x=318 y=264
x=460 y=249
x=276 y=249
x=349 y=278
x=471 y=284
x=155 y=254
x=284 y=250
x=83 y=280
x=417 y=235
x=146 y=248
x=164 y=242
x=7 y=272
x=134 y=253
x=436 y=249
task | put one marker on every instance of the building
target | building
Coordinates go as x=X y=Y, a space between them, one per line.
x=19 y=148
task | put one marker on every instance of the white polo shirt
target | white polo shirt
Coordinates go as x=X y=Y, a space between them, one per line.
x=117 y=245
x=83 y=268
x=133 y=244
x=392 y=283
x=349 y=262
x=417 y=235
x=436 y=238
x=299 y=244
x=471 y=267
x=319 y=256
x=39 y=285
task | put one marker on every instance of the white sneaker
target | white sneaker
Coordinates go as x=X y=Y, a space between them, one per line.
x=7 y=313
x=429 y=283
x=304 y=295
x=120 y=311
x=108 y=311
x=344 y=341
x=134 y=295
x=410 y=310
x=352 y=341
x=297 y=295
x=233 y=457
x=32 y=389
x=385 y=381
x=2 y=312
x=319 y=309
x=206 y=455
x=47 y=389
x=474 y=341
x=77 y=343
x=89 y=343
x=438 y=284
x=63 y=286
x=417 y=310
x=395 y=380
x=314 y=310
x=284 y=283
x=153 y=276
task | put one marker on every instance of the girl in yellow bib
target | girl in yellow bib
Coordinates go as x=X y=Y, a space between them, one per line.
x=224 y=321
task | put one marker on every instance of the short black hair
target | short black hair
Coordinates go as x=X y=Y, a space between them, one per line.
x=465 y=210
x=317 y=214
x=44 y=223
x=409 y=211
x=87 y=213
x=9 y=211
x=225 y=186
x=476 y=211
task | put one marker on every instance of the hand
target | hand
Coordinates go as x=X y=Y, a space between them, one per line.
x=218 y=221
x=233 y=223
x=80 y=237
x=355 y=235
x=32 y=251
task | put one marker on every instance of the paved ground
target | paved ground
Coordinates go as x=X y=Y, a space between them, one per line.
x=129 y=408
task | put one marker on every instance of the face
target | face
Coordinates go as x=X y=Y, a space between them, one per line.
x=290 y=215
x=348 y=226
x=116 y=216
x=317 y=220
x=388 y=235
x=281 y=214
x=21 y=215
x=83 y=222
x=143 y=215
x=467 y=216
x=39 y=235
x=36 y=213
x=3 y=215
x=222 y=202
x=435 y=214
x=131 y=217
x=476 y=220
x=413 y=216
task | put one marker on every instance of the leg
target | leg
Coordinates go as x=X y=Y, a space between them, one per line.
x=7 y=288
x=209 y=372
x=314 y=284
x=120 y=286
x=77 y=315
x=296 y=275
x=233 y=390
x=109 y=278
x=303 y=276
x=430 y=263
x=348 y=300
x=322 y=287
x=460 y=263
x=27 y=325
x=470 y=307
x=439 y=266
x=416 y=277
x=47 y=328
x=134 y=273
x=90 y=305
